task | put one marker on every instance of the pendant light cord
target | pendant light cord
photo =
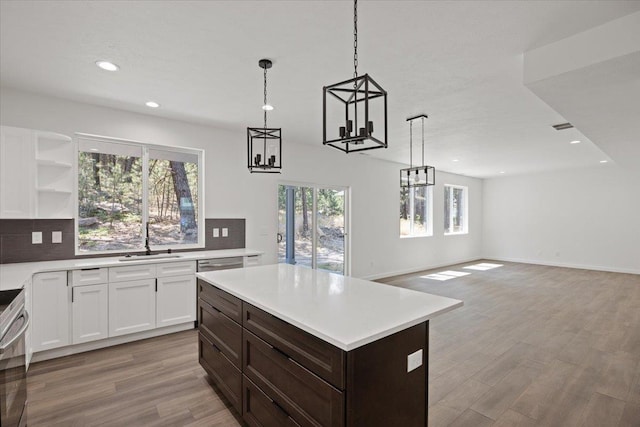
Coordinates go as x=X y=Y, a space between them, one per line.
x=355 y=38
x=265 y=97
x=410 y=143
x=422 y=141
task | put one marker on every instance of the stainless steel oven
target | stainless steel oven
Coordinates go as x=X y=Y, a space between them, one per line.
x=14 y=322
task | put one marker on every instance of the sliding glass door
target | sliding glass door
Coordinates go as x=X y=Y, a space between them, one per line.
x=312 y=229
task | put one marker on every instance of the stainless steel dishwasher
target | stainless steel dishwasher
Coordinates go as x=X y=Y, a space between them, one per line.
x=220 y=263
x=217 y=264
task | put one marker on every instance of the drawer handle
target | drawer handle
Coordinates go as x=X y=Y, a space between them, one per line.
x=209 y=305
x=280 y=352
x=216 y=347
x=89 y=269
x=280 y=408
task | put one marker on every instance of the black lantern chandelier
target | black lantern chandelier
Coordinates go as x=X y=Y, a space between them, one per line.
x=418 y=176
x=348 y=123
x=264 y=144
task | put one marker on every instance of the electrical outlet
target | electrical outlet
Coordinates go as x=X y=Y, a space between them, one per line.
x=36 y=238
x=414 y=360
x=216 y=232
x=56 y=237
x=225 y=232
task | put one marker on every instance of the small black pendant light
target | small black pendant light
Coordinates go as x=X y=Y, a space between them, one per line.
x=351 y=118
x=419 y=176
x=264 y=145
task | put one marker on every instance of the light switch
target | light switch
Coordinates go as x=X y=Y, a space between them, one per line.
x=225 y=232
x=36 y=237
x=216 y=232
x=414 y=360
x=56 y=237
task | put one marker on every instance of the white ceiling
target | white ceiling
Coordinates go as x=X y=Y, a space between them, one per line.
x=459 y=62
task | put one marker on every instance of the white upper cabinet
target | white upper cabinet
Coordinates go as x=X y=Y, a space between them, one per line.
x=37 y=177
x=17 y=184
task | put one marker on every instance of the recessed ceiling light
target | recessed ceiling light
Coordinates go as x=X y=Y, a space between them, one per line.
x=501 y=171
x=267 y=107
x=604 y=161
x=106 y=65
x=575 y=142
x=152 y=104
x=455 y=160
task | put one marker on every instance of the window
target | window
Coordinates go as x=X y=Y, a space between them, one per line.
x=123 y=186
x=455 y=209
x=415 y=211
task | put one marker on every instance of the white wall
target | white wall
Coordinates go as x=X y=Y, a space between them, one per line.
x=585 y=218
x=232 y=192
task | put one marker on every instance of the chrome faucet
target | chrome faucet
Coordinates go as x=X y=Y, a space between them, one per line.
x=146 y=240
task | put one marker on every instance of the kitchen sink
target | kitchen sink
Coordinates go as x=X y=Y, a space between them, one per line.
x=154 y=256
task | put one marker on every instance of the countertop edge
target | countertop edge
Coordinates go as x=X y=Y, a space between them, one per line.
x=18 y=273
x=341 y=345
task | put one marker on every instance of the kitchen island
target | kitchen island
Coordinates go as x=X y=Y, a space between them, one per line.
x=288 y=345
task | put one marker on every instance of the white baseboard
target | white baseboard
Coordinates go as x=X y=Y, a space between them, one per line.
x=423 y=268
x=565 y=264
x=95 y=345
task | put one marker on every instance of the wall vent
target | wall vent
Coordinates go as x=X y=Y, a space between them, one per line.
x=563 y=126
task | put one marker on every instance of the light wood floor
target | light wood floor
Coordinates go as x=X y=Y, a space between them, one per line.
x=533 y=345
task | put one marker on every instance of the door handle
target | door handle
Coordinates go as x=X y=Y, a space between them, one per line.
x=24 y=327
x=280 y=237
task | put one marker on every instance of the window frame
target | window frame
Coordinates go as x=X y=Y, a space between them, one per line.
x=465 y=209
x=429 y=208
x=145 y=148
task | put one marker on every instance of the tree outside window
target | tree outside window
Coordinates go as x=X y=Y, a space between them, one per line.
x=455 y=209
x=116 y=198
x=415 y=211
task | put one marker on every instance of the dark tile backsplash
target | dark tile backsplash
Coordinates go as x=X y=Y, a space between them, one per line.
x=236 y=238
x=15 y=239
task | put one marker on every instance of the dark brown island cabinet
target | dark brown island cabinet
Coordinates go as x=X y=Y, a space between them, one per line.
x=276 y=374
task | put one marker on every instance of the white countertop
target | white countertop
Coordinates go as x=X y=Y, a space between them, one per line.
x=344 y=311
x=12 y=276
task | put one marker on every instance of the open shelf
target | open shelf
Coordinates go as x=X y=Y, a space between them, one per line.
x=47 y=162
x=53 y=190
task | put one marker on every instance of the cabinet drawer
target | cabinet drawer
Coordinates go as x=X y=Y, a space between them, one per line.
x=251 y=260
x=226 y=376
x=318 y=356
x=221 y=300
x=176 y=268
x=306 y=397
x=260 y=410
x=221 y=331
x=89 y=276
x=132 y=272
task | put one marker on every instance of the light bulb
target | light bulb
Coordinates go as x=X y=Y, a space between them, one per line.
x=267 y=107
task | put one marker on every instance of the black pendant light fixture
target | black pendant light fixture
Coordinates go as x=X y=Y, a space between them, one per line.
x=350 y=109
x=418 y=176
x=264 y=144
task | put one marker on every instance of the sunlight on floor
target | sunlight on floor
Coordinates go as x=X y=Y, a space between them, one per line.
x=445 y=275
x=483 y=266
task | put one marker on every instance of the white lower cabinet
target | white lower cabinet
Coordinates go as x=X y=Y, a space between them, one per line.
x=90 y=313
x=50 y=311
x=176 y=300
x=132 y=306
